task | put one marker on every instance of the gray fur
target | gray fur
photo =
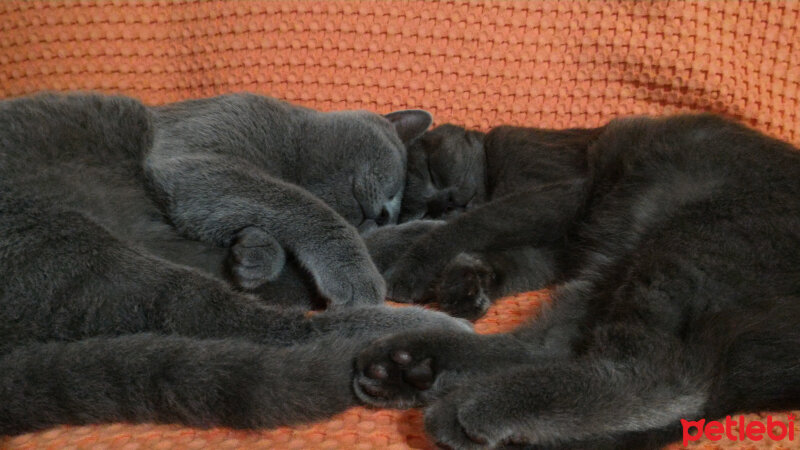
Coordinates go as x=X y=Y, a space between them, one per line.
x=673 y=245
x=113 y=218
x=218 y=166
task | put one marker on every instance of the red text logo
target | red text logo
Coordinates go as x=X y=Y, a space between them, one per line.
x=738 y=430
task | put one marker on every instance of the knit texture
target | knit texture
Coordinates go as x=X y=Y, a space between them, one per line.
x=544 y=63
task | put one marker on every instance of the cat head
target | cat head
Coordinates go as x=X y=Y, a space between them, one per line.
x=446 y=174
x=359 y=162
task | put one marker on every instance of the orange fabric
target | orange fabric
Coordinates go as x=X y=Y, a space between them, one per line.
x=545 y=63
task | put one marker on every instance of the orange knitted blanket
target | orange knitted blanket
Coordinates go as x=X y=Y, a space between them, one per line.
x=548 y=63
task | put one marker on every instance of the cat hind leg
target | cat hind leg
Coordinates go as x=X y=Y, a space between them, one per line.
x=171 y=379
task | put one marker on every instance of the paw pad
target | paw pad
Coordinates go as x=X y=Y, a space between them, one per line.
x=401 y=357
x=394 y=378
x=420 y=375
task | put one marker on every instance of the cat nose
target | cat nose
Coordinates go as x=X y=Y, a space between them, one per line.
x=383 y=218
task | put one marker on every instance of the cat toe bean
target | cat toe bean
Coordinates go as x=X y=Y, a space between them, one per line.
x=421 y=375
x=401 y=357
x=377 y=372
x=394 y=378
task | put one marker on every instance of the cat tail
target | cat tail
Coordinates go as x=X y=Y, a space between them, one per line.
x=171 y=379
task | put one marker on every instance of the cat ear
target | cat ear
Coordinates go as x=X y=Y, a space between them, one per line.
x=410 y=123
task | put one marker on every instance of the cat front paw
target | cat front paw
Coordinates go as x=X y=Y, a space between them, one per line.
x=460 y=421
x=403 y=371
x=255 y=258
x=463 y=288
x=356 y=287
x=395 y=381
x=410 y=280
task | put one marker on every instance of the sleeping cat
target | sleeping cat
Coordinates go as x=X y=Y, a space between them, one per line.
x=244 y=157
x=675 y=243
x=98 y=194
x=450 y=171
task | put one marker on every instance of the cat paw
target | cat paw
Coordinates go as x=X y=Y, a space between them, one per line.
x=458 y=421
x=462 y=290
x=410 y=280
x=364 y=286
x=403 y=371
x=255 y=258
x=394 y=380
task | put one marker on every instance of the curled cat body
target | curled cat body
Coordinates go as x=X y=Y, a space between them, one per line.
x=105 y=204
x=672 y=246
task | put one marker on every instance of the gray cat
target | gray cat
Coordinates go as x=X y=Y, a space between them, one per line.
x=452 y=170
x=102 y=199
x=226 y=171
x=674 y=247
